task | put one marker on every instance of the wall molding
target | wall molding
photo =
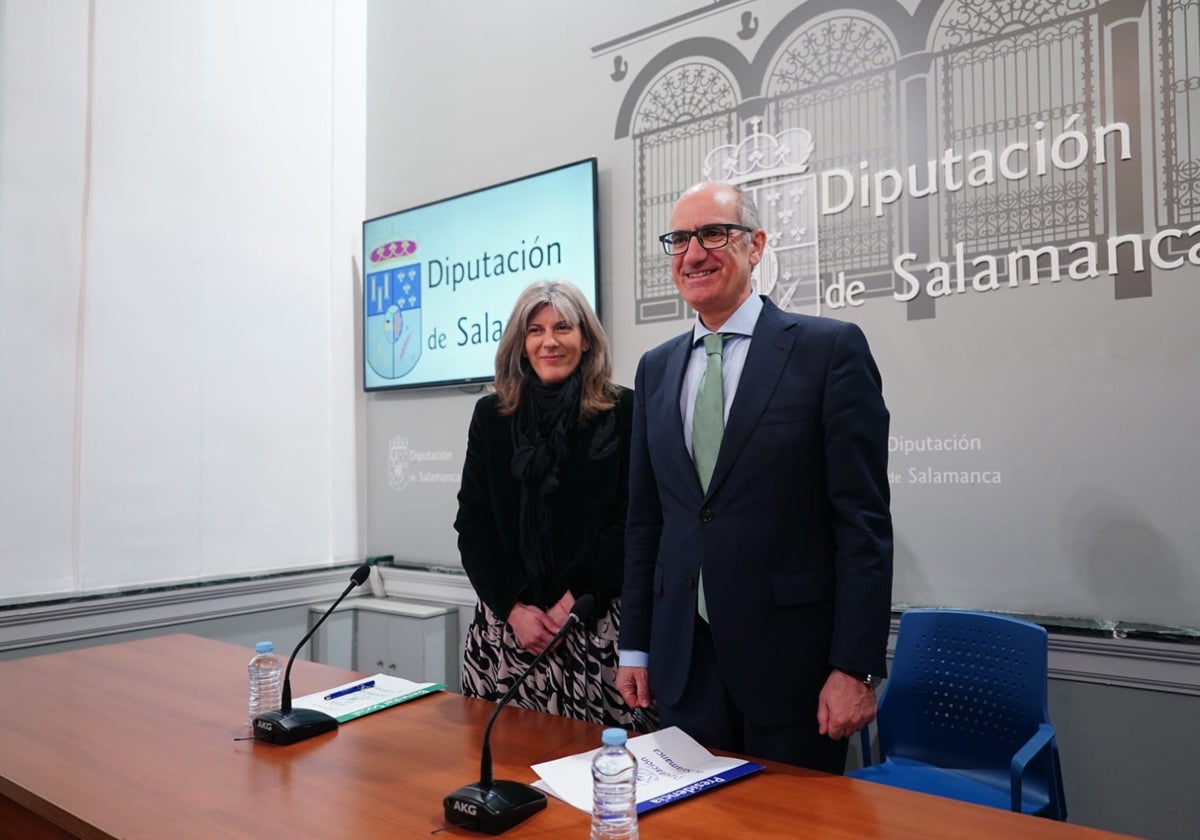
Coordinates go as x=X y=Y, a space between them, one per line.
x=1147 y=665
x=1100 y=660
x=1130 y=663
x=90 y=618
x=443 y=587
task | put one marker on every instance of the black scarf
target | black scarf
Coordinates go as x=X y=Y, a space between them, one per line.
x=541 y=434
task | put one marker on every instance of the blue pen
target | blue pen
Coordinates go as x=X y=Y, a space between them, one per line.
x=351 y=690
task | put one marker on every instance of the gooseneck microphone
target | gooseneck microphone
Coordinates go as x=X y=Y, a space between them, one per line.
x=287 y=725
x=492 y=806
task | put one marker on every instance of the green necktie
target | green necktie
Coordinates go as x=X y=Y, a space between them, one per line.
x=708 y=425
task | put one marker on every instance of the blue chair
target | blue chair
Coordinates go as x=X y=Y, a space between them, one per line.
x=963 y=714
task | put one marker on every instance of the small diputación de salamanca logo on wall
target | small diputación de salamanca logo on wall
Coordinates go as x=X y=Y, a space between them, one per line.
x=407 y=465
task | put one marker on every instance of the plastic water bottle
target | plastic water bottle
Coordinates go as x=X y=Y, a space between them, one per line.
x=614 y=789
x=266 y=682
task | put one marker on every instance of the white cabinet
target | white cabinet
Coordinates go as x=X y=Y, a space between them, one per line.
x=418 y=642
x=333 y=644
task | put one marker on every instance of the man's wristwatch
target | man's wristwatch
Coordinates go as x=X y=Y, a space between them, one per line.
x=871 y=681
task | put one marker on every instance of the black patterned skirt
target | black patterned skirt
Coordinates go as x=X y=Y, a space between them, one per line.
x=576 y=680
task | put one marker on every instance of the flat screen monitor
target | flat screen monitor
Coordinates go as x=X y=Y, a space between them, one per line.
x=440 y=279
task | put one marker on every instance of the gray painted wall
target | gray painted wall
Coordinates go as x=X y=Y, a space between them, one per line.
x=1042 y=456
x=1071 y=388
x=1128 y=758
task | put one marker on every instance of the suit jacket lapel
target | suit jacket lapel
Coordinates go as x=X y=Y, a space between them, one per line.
x=670 y=417
x=770 y=348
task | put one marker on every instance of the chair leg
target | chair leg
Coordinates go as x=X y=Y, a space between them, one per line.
x=864 y=736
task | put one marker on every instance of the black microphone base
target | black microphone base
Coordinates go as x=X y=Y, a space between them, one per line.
x=494 y=808
x=281 y=727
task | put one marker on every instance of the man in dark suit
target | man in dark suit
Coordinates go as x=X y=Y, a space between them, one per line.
x=755 y=609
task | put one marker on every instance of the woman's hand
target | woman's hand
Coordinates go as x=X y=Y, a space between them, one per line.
x=533 y=628
x=560 y=611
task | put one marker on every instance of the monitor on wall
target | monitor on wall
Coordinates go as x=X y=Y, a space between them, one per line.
x=440 y=279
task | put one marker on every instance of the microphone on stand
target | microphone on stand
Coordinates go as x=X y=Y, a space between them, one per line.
x=287 y=725
x=493 y=806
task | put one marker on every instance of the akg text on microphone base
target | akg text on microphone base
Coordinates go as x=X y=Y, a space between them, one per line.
x=493 y=809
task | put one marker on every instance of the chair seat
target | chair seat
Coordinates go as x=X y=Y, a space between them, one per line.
x=966 y=785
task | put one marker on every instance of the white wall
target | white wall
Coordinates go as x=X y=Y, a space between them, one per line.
x=181 y=187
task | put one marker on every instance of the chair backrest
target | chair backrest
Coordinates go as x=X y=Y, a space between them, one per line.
x=966 y=690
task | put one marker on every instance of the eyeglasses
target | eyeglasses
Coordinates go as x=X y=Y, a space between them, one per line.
x=710 y=237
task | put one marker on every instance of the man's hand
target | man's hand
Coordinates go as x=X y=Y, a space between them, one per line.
x=844 y=707
x=533 y=628
x=634 y=685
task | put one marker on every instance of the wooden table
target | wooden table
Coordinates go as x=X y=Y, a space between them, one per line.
x=138 y=740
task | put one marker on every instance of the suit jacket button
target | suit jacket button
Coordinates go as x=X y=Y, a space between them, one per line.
x=706 y=515
x=691 y=582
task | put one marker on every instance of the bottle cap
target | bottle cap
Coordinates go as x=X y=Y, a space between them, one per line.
x=613 y=737
x=264 y=647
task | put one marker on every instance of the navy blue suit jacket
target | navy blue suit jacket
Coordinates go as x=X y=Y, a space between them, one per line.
x=794 y=534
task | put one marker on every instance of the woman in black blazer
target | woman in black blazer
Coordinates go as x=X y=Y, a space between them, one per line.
x=541 y=510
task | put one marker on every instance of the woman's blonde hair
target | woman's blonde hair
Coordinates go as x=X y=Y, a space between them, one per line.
x=597 y=392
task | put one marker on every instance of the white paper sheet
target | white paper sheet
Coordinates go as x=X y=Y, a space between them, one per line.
x=671 y=766
x=387 y=691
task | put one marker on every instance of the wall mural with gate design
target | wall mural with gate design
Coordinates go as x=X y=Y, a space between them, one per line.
x=956 y=135
x=1006 y=196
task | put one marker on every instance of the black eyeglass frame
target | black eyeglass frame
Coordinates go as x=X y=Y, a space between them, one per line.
x=725 y=226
